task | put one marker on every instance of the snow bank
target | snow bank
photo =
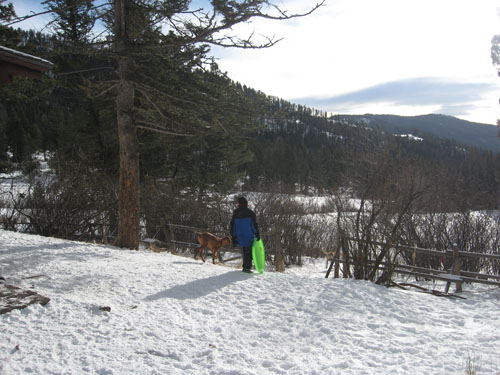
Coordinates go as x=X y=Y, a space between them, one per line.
x=174 y=315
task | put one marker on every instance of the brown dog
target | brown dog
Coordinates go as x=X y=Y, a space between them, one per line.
x=214 y=243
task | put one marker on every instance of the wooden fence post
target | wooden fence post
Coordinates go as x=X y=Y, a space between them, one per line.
x=337 y=255
x=279 y=262
x=335 y=259
x=219 y=253
x=345 y=257
x=105 y=230
x=169 y=236
x=456 y=269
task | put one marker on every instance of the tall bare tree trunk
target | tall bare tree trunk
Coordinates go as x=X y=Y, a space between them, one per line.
x=129 y=184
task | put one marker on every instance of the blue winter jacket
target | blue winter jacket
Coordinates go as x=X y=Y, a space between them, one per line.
x=244 y=227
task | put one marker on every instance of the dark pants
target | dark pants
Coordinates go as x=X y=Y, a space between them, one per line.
x=247 y=257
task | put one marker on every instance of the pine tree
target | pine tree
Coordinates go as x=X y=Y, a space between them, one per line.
x=8 y=36
x=74 y=20
x=154 y=45
x=133 y=27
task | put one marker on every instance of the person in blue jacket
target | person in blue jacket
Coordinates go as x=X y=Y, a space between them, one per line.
x=244 y=229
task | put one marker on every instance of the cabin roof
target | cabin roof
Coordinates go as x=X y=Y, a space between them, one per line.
x=14 y=62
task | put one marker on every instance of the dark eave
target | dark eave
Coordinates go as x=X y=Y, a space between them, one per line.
x=13 y=63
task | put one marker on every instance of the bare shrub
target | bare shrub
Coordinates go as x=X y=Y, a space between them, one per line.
x=473 y=232
x=428 y=231
x=73 y=204
x=163 y=205
x=297 y=233
x=466 y=231
x=388 y=197
x=9 y=217
x=472 y=365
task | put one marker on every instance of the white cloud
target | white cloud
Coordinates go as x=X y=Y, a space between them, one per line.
x=352 y=45
x=349 y=45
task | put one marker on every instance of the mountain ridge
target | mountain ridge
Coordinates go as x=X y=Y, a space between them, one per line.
x=469 y=133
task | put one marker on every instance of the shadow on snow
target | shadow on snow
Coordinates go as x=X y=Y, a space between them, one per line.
x=201 y=287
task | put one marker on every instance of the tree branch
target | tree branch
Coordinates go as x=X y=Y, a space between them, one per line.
x=152 y=103
x=159 y=129
x=105 y=91
x=208 y=26
x=85 y=71
x=33 y=14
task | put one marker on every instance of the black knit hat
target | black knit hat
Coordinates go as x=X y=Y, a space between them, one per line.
x=242 y=201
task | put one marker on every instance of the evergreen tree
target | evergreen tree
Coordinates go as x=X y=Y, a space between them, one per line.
x=74 y=19
x=147 y=32
x=8 y=36
x=135 y=25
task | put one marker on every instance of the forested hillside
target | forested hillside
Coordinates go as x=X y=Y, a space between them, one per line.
x=216 y=135
x=310 y=153
x=448 y=127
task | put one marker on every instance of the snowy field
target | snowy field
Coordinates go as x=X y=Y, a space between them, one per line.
x=174 y=315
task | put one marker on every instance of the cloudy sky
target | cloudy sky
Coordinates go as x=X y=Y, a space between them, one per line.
x=405 y=57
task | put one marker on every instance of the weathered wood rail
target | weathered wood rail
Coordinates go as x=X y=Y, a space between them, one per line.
x=178 y=237
x=182 y=236
x=454 y=275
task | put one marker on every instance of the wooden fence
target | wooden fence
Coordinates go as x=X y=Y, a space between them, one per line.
x=454 y=275
x=177 y=238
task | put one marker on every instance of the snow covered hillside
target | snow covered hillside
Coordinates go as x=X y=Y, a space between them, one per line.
x=174 y=315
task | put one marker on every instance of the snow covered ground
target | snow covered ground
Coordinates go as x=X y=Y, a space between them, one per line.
x=174 y=315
